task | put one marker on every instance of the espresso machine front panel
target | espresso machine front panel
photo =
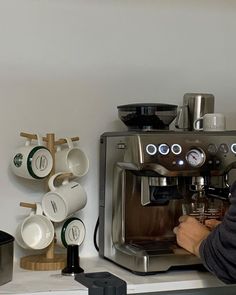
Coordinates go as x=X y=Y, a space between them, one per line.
x=183 y=153
x=144 y=177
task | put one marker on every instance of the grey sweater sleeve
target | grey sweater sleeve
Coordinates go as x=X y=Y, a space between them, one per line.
x=218 y=250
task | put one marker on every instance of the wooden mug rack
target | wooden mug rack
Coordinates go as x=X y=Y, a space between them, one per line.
x=48 y=260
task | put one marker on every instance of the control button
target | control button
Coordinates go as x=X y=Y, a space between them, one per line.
x=164 y=149
x=151 y=149
x=233 y=148
x=180 y=162
x=176 y=149
x=212 y=149
x=217 y=162
x=121 y=145
x=223 y=148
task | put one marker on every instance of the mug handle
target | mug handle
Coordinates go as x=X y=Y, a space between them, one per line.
x=38 y=210
x=69 y=142
x=39 y=139
x=195 y=124
x=52 y=178
x=28 y=142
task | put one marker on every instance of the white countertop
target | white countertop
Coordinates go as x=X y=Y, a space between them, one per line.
x=53 y=283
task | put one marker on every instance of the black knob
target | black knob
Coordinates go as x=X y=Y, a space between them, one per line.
x=72 y=266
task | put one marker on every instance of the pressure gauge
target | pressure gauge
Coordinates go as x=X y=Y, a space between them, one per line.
x=195 y=157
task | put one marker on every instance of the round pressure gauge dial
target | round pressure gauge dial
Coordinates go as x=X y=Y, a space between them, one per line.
x=195 y=157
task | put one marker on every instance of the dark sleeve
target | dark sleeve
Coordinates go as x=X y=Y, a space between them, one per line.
x=218 y=250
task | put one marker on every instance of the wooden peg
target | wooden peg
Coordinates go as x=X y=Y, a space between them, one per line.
x=28 y=205
x=31 y=136
x=63 y=140
x=59 y=141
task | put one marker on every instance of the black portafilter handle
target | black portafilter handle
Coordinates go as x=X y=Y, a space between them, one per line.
x=72 y=266
x=218 y=193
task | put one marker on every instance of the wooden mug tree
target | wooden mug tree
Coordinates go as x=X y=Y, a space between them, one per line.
x=48 y=260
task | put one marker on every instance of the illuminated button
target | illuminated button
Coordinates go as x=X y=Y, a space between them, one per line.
x=164 y=149
x=233 y=148
x=180 y=162
x=223 y=148
x=176 y=149
x=151 y=149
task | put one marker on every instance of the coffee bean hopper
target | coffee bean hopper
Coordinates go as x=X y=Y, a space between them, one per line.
x=147 y=116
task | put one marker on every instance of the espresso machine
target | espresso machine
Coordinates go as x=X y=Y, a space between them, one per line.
x=147 y=173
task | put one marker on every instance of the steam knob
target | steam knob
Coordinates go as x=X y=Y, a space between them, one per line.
x=72 y=266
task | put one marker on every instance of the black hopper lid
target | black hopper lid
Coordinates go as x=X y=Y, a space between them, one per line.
x=147 y=116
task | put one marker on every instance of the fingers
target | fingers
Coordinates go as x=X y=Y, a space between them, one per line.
x=185 y=221
x=183 y=218
x=175 y=230
x=212 y=223
x=188 y=218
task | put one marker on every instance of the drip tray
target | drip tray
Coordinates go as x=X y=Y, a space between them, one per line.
x=154 y=247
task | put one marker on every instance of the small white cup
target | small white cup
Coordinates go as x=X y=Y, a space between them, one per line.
x=71 y=159
x=32 y=161
x=71 y=231
x=36 y=231
x=64 y=200
x=210 y=122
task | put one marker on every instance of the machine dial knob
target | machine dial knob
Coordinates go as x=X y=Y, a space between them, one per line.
x=163 y=149
x=195 y=157
x=151 y=149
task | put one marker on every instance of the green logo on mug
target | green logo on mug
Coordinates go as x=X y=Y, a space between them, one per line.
x=18 y=160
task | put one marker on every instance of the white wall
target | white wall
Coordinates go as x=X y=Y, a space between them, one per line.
x=66 y=64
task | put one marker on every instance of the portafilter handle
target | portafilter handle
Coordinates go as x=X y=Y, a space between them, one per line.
x=218 y=193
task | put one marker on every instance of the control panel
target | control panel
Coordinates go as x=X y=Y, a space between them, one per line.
x=189 y=151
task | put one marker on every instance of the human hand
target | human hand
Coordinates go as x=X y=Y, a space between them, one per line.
x=190 y=233
x=212 y=223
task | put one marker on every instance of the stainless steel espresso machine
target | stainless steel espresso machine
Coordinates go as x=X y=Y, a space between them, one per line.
x=146 y=175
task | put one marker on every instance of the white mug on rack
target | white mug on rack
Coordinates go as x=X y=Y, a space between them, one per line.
x=32 y=161
x=64 y=200
x=70 y=231
x=211 y=122
x=36 y=231
x=71 y=159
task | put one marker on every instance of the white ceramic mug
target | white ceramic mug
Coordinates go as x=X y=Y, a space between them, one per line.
x=64 y=200
x=71 y=159
x=32 y=161
x=211 y=122
x=36 y=231
x=71 y=231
